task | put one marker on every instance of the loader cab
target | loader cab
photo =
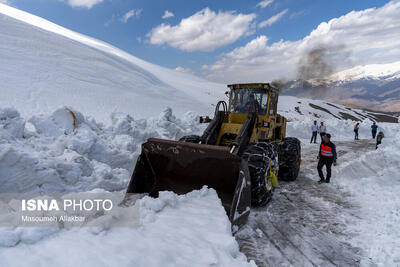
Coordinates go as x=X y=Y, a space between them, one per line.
x=259 y=98
x=244 y=98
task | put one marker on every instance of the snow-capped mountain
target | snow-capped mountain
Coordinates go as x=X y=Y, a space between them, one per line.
x=374 y=86
x=389 y=71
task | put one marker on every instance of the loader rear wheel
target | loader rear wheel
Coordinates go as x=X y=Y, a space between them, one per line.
x=190 y=139
x=289 y=159
x=260 y=157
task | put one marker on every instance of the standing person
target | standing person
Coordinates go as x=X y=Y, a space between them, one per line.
x=356 y=128
x=314 y=129
x=379 y=139
x=322 y=130
x=374 y=128
x=327 y=156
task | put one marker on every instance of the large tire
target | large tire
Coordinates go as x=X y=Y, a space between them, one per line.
x=289 y=159
x=190 y=139
x=260 y=158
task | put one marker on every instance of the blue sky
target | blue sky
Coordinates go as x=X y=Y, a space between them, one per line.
x=104 y=21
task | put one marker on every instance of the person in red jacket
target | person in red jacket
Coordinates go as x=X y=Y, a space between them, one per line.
x=327 y=156
x=356 y=128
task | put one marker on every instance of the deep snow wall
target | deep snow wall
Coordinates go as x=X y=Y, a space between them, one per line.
x=45 y=153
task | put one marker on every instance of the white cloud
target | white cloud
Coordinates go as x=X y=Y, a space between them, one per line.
x=359 y=37
x=206 y=30
x=299 y=13
x=168 y=14
x=184 y=70
x=265 y=3
x=272 y=19
x=84 y=3
x=6 y=2
x=133 y=13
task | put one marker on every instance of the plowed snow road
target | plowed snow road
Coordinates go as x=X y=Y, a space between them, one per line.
x=305 y=223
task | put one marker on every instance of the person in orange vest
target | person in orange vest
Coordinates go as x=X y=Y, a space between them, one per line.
x=327 y=156
x=356 y=127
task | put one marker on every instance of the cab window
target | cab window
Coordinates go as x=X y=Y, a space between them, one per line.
x=272 y=106
x=244 y=100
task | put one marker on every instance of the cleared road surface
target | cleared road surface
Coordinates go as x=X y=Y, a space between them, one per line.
x=305 y=223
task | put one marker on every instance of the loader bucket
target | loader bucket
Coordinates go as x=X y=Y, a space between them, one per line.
x=182 y=167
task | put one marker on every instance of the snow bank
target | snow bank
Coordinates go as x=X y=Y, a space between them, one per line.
x=70 y=153
x=373 y=179
x=185 y=230
x=11 y=124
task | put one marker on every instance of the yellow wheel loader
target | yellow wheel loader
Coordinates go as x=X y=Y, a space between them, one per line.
x=240 y=154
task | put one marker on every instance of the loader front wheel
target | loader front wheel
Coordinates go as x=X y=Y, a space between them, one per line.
x=289 y=159
x=260 y=158
x=190 y=139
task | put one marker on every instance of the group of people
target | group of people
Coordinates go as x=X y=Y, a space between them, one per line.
x=374 y=130
x=321 y=129
x=327 y=155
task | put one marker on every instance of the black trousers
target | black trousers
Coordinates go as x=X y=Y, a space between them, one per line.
x=378 y=142
x=373 y=134
x=322 y=135
x=314 y=137
x=327 y=161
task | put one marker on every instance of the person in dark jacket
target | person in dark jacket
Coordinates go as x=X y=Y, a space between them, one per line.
x=374 y=128
x=379 y=139
x=327 y=156
x=252 y=104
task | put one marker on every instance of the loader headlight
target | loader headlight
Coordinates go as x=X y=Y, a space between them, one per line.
x=266 y=124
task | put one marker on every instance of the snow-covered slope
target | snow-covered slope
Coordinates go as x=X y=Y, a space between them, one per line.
x=295 y=108
x=44 y=66
x=339 y=120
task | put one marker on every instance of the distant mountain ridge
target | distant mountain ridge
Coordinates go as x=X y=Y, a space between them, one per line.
x=374 y=86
